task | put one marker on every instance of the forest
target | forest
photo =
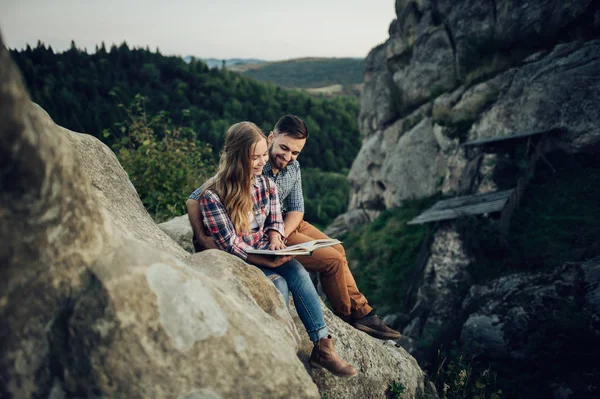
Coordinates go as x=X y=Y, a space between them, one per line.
x=135 y=98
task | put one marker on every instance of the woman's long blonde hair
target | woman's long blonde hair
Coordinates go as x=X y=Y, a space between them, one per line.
x=233 y=181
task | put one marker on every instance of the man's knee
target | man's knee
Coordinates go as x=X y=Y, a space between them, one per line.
x=329 y=265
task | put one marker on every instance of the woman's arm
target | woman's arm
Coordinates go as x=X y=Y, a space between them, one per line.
x=274 y=219
x=220 y=226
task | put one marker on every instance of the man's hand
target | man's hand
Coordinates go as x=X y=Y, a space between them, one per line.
x=268 y=261
x=203 y=241
x=280 y=260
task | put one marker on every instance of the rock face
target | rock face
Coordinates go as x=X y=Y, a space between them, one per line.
x=96 y=301
x=528 y=319
x=445 y=279
x=467 y=70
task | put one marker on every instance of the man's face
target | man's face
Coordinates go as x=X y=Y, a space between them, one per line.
x=284 y=149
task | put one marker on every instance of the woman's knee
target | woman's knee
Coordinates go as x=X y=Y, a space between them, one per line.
x=280 y=284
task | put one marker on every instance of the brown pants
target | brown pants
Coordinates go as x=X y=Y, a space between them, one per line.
x=336 y=278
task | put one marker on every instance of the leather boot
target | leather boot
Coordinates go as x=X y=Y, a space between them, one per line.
x=324 y=356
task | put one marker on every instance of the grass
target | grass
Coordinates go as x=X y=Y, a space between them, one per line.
x=383 y=255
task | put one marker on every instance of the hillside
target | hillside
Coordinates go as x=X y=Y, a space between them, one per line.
x=308 y=72
x=82 y=92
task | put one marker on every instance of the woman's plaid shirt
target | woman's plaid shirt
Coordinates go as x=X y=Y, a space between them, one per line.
x=266 y=208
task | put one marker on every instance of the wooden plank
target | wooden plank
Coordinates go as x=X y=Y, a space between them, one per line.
x=433 y=215
x=471 y=199
x=465 y=205
x=516 y=135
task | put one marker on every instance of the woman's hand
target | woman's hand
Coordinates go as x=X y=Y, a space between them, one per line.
x=275 y=241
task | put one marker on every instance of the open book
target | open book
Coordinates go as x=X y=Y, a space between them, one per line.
x=306 y=248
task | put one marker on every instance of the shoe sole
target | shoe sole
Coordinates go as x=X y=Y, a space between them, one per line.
x=318 y=366
x=376 y=333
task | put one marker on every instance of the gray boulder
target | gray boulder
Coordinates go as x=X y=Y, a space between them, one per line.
x=180 y=230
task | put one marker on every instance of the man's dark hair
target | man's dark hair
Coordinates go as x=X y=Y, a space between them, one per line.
x=291 y=125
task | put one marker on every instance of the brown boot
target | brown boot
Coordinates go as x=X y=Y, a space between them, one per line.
x=324 y=356
x=375 y=327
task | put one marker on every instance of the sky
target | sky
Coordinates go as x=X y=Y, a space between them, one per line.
x=222 y=29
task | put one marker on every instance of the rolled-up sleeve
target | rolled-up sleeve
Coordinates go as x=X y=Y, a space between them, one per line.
x=274 y=220
x=295 y=200
x=196 y=194
x=220 y=226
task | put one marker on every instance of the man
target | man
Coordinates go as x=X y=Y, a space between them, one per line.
x=286 y=141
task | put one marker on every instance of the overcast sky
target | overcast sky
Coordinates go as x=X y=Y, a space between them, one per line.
x=266 y=29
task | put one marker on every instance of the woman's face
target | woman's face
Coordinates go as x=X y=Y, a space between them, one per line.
x=259 y=156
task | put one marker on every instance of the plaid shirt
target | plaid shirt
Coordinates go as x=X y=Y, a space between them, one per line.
x=266 y=208
x=289 y=184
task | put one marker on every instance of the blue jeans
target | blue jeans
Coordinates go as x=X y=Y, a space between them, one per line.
x=292 y=277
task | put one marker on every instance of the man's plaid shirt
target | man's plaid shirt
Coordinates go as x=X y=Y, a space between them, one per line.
x=289 y=185
x=266 y=209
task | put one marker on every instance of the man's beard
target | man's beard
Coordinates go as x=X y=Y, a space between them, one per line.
x=276 y=161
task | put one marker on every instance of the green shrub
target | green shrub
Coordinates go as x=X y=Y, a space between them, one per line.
x=164 y=162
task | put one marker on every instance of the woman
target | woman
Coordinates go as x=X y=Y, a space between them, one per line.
x=241 y=210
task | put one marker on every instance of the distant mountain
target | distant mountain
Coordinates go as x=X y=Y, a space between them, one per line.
x=215 y=62
x=307 y=72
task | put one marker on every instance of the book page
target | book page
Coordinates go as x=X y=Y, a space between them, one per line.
x=304 y=248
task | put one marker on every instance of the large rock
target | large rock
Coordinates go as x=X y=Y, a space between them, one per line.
x=374 y=166
x=445 y=278
x=180 y=230
x=378 y=100
x=557 y=91
x=411 y=169
x=538 y=320
x=96 y=301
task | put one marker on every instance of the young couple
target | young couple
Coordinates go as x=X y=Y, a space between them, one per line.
x=240 y=209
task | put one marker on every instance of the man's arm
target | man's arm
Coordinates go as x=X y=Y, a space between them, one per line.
x=195 y=216
x=291 y=220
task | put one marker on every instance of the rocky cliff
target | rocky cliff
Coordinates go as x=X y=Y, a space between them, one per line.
x=96 y=301
x=465 y=71
x=457 y=71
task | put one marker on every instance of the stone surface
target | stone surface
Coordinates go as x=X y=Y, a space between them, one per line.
x=487 y=69
x=558 y=91
x=446 y=280
x=378 y=100
x=367 y=176
x=411 y=169
x=534 y=319
x=346 y=222
x=180 y=230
